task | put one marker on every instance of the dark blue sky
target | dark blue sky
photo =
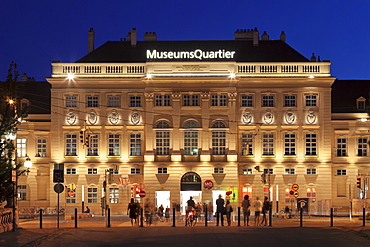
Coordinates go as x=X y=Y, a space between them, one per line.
x=34 y=33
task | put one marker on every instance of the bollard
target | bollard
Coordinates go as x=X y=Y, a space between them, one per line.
x=108 y=214
x=331 y=216
x=301 y=217
x=270 y=215
x=75 y=217
x=238 y=216
x=206 y=215
x=173 y=217
x=141 y=218
x=363 y=216
x=40 y=218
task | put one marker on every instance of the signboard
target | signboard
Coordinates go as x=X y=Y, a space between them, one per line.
x=58 y=188
x=302 y=203
x=14 y=175
x=208 y=184
x=142 y=193
x=197 y=54
x=58 y=176
x=295 y=187
x=296 y=194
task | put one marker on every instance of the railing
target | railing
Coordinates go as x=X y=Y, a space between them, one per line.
x=33 y=212
x=6 y=219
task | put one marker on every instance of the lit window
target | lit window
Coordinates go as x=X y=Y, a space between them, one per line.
x=341 y=147
x=362 y=146
x=311 y=171
x=311 y=144
x=247 y=171
x=92 y=171
x=190 y=138
x=41 y=147
x=22 y=192
x=70 y=194
x=268 y=171
x=93 y=149
x=268 y=144
x=71 y=145
x=135 y=171
x=162 y=139
x=113 y=144
x=113 y=171
x=114 y=101
x=21 y=147
x=289 y=171
x=71 y=171
x=247 y=144
x=289 y=144
x=311 y=193
x=288 y=196
x=92 y=195
x=113 y=195
x=135 y=144
x=218 y=139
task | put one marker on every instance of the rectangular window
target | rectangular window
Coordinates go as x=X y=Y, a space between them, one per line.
x=92 y=195
x=289 y=171
x=22 y=192
x=191 y=142
x=268 y=144
x=71 y=101
x=247 y=171
x=290 y=101
x=268 y=101
x=268 y=171
x=311 y=171
x=135 y=144
x=71 y=195
x=190 y=100
x=163 y=100
x=361 y=105
x=114 y=101
x=218 y=142
x=311 y=144
x=92 y=171
x=93 y=149
x=218 y=100
x=114 y=145
x=311 y=193
x=362 y=143
x=289 y=144
x=162 y=142
x=162 y=170
x=113 y=195
x=218 y=170
x=247 y=100
x=71 y=171
x=113 y=171
x=41 y=147
x=311 y=100
x=71 y=145
x=135 y=101
x=247 y=144
x=341 y=172
x=341 y=147
x=21 y=147
x=92 y=101
x=288 y=197
x=135 y=171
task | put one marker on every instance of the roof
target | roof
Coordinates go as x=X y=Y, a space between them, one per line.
x=346 y=92
x=38 y=94
x=265 y=51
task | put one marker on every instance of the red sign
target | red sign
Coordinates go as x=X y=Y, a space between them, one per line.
x=208 y=184
x=71 y=193
x=142 y=193
x=295 y=187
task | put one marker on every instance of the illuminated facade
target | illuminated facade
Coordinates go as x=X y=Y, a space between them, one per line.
x=193 y=118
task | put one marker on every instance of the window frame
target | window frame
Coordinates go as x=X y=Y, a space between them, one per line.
x=362 y=147
x=71 y=101
x=190 y=99
x=290 y=144
x=268 y=100
x=290 y=100
x=92 y=195
x=268 y=144
x=71 y=146
x=114 y=144
x=310 y=144
x=135 y=101
x=218 y=99
x=92 y=101
x=41 y=149
x=247 y=100
x=114 y=101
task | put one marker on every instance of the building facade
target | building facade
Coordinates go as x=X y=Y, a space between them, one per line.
x=194 y=118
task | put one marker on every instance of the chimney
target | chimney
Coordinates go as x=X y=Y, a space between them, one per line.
x=313 y=58
x=128 y=37
x=243 y=34
x=265 y=36
x=133 y=37
x=90 y=40
x=283 y=36
x=150 y=36
x=24 y=77
x=256 y=35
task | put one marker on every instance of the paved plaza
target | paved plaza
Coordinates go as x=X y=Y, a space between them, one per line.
x=283 y=232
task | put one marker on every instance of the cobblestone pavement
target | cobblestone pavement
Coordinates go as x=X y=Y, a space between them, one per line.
x=30 y=233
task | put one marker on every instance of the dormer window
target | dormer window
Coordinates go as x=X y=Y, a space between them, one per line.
x=24 y=103
x=361 y=104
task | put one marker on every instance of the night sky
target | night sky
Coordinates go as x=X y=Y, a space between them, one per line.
x=35 y=33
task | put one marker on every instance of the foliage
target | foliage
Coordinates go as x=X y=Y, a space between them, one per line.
x=10 y=118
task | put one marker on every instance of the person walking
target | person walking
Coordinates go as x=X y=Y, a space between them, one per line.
x=229 y=210
x=246 y=204
x=167 y=214
x=265 y=210
x=220 y=208
x=257 y=212
x=131 y=211
x=160 y=213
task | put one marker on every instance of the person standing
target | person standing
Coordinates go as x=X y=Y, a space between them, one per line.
x=131 y=211
x=246 y=204
x=220 y=202
x=229 y=210
x=160 y=213
x=265 y=210
x=167 y=214
x=257 y=212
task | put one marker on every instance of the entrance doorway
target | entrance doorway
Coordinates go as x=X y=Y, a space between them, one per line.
x=185 y=196
x=215 y=194
x=162 y=198
x=191 y=185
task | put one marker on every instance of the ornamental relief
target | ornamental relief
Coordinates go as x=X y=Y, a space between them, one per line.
x=176 y=95
x=149 y=96
x=71 y=117
x=290 y=117
x=311 y=117
x=268 y=117
x=113 y=117
x=135 y=117
x=247 y=117
x=204 y=95
x=232 y=96
x=92 y=117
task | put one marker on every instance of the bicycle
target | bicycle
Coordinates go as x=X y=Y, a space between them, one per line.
x=190 y=221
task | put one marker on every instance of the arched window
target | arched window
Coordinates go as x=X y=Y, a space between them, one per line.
x=191 y=138
x=219 y=138
x=162 y=138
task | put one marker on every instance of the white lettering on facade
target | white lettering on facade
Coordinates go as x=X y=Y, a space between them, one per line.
x=196 y=54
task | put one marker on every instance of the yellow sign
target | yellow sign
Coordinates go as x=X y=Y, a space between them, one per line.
x=72 y=186
x=296 y=194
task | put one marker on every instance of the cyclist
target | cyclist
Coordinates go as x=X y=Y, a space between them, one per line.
x=189 y=209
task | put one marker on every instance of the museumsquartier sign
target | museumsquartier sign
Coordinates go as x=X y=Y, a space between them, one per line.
x=196 y=54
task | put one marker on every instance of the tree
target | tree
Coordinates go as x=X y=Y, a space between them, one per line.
x=10 y=118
